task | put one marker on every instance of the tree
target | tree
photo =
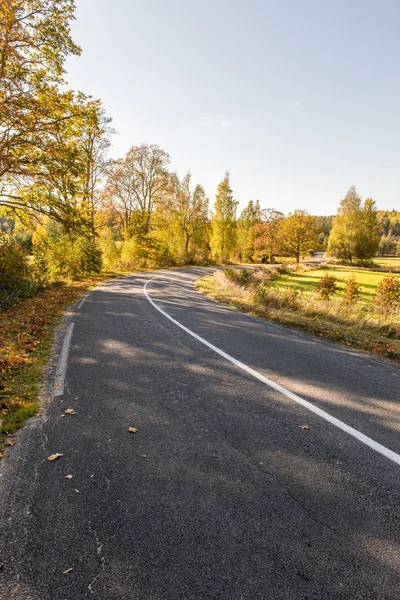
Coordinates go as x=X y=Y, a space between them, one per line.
x=268 y=235
x=355 y=230
x=137 y=183
x=59 y=189
x=387 y=244
x=223 y=240
x=34 y=43
x=187 y=212
x=344 y=236
x=249 y=217
x=299 y=234
x=368 y=241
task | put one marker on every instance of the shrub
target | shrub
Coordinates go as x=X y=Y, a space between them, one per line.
x=271 y=296
x=241 y=277
x=387 y=297
x=326 y=286
x=68 y=258
x=111 y=252
x=351 y=293
x=16 y=280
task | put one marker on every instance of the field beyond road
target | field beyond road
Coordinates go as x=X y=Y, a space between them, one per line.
x=307 y=281
x=289 y=297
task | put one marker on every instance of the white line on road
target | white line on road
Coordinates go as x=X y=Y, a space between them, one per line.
x=62 y=362
x=275 y=386
x=81 y=302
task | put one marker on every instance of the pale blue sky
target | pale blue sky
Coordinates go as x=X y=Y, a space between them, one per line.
x=297 y=99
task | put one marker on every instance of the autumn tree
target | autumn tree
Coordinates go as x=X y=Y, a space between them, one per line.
x=355 y=230
x=136 y=184
x=34 y=43
x=186 y=211
x=268 y=236
x=249 y=217
x=299 y=234
x=59 y=189
x=368 y=239
x=223 y=239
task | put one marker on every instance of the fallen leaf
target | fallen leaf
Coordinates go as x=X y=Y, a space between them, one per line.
x=68 y=570
x=70 y=411
x=68 y=477
x=10 y=442
x=304 y=426
x=76 y=398
x=55 y=456
x=77 y=491
x=132 y=429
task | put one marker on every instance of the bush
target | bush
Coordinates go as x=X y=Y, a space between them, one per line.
x=111 y=252
x=387 y=298
x=326 y=286
x=351 y=293
x=16 y=280
x=241 y=277
x=68 y=258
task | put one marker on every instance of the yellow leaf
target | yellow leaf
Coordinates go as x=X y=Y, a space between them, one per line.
x=55 y=456
x=70 y=411
x=132 y=429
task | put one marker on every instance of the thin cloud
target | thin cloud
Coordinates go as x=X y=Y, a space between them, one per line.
x=226 y=123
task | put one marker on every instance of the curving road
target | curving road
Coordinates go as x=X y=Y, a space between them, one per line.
x=265 y=463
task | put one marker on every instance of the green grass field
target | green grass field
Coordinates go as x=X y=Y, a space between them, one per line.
x=388 y=262
x=306 y=282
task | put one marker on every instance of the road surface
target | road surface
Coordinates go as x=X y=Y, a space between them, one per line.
x=272 y=477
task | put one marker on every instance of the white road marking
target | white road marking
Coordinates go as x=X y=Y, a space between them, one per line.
x=62 y=362
x=81 y=302
x=275 y=386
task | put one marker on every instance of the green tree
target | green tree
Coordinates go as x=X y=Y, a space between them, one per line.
x=299 y=234
x=355 y=230
x=344 y=237
x=249 y=218
x=387 y=244
x=223 y=239
x=368 y=240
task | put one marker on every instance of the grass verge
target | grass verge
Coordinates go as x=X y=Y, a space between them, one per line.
x=315 y=317
x=26 y=342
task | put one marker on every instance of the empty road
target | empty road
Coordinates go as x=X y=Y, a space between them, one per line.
x=265 y=465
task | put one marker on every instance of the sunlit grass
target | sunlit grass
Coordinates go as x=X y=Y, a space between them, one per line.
x=306 y=282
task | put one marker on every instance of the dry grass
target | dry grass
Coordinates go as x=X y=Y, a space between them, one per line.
x=356 y=326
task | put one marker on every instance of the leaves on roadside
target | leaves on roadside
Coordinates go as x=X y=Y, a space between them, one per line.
x=68 y=477
x=70 y=411
x=10 y=442
x=304 y=426
x=54 y=456
x=68 y=570
x=132 y=429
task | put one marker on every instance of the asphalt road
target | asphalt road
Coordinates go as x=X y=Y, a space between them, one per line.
x=220 y=494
